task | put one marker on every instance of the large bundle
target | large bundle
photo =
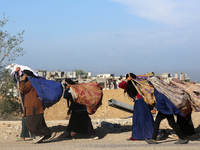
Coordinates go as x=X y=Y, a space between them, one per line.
x=177 y=96
x=143 y=77
x=49 y=91
x=194 y=92
x=193 y=87
x=146 y=91
x=88 y=94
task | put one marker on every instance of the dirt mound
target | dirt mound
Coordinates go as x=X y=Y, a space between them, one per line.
x=59 y=110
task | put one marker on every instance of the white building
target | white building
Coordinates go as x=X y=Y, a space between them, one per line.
x=167 y=77
x=71 y=75
x=105 y=75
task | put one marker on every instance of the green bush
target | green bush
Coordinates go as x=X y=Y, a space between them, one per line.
x=10 y=49
x=9 y=109
x=9 y=103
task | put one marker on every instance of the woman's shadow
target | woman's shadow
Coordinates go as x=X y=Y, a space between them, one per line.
x=168 y=132
x=59 y=133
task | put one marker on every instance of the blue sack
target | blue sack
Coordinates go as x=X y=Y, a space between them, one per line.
x=49 y=91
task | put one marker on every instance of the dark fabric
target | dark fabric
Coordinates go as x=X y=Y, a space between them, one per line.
x=186 y=125
x=24 y=131
x=131 y=90
x=73 y=106
x=69 y=81
x=170 y=118
x=16 y=78
x=78 y=122
x=164 y=105
x=91 y=130
x=36 y=125
x=143 y=123
x=29 y=73
x=132 y=75
x=67 y=96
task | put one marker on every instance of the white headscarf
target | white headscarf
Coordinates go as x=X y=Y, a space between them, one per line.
x=13 y=67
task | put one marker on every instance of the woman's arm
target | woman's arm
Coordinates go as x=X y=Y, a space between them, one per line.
x=122 y=85
x=25 y=86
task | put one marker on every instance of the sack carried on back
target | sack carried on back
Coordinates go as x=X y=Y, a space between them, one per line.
x=88 y=94
x=49 y=91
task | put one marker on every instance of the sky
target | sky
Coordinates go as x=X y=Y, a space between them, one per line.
x=108 y=36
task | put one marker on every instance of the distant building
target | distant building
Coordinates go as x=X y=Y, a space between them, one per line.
x=167 y=77
x=89 y=75
x=52 y=75
x=183 y=77
x=105 y=75
x=71 y=74
x=107 y=81
x=42 y=73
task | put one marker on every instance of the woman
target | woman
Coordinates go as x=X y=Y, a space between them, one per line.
x=166 y=109
x=143 y=122
x=24 y=131
x=80 y=122
x=33 y=110
x=185 y=122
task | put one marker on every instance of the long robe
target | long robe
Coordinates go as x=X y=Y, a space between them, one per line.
x=143 y=123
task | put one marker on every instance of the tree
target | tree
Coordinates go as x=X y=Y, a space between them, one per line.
x=81 y=73
x=9 y=50
x=9 y=46
x=9 y=104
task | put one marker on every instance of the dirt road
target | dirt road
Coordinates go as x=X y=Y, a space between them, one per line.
x=109 y=142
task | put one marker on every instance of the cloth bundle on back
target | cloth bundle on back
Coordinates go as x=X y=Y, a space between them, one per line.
x=143 y=77
x=146 y=91
x=193 y=91
x=49 y=91
x=168 y=98
x=88 y=94
x=177 y=96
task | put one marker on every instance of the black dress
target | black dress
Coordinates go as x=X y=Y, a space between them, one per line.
x=186 y=124
x=80 y=121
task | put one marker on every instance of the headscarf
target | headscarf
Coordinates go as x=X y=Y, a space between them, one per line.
x=131 y=90
x=69 y=81
x=13 y=67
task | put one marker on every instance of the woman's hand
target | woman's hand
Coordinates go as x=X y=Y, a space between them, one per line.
x=24 y=77
x=129 y=78
x=68 y=86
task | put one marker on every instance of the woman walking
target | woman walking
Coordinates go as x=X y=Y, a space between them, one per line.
x=143 y=123
x=80 y=122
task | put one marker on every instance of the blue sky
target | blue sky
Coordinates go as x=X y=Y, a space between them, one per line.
x=108 y=36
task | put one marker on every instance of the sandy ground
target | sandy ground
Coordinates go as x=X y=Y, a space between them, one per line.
x=112 y=125
x=59 y=110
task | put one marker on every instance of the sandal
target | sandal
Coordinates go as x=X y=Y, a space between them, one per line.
x=131 y=139
x=19 y=139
